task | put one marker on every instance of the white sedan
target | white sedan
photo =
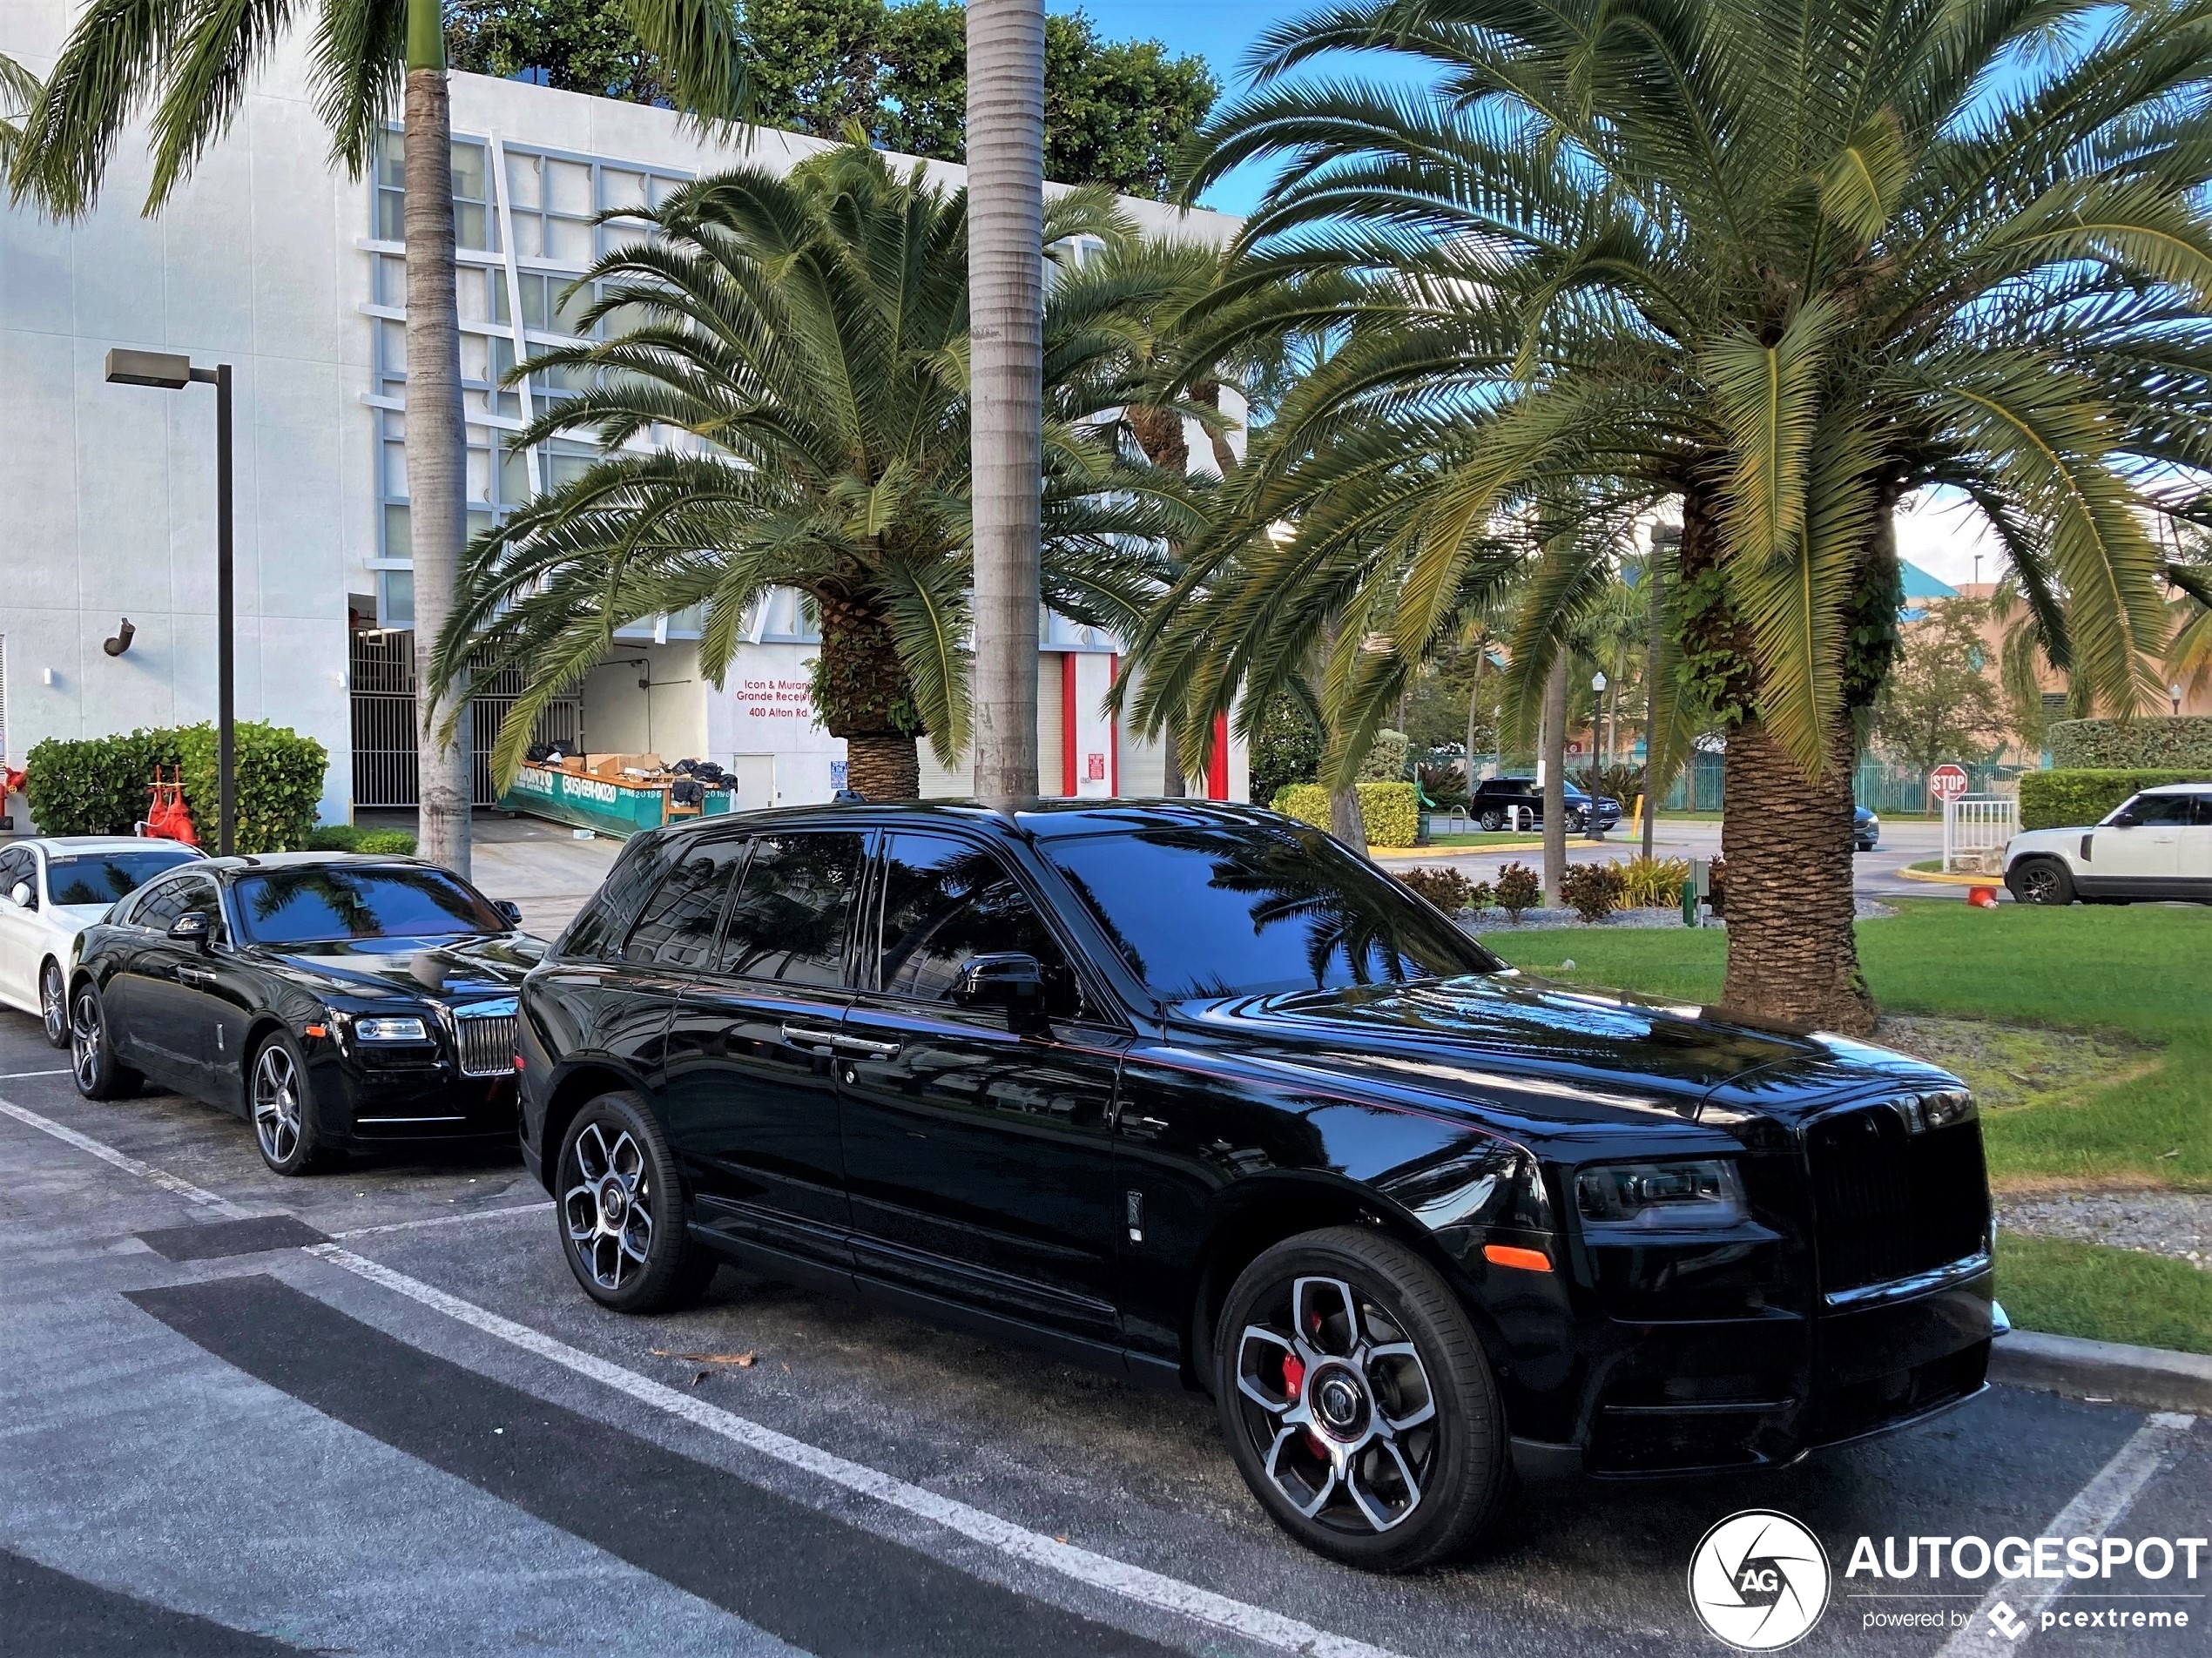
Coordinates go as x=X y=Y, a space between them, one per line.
x=2155 y=845
x=50 y=891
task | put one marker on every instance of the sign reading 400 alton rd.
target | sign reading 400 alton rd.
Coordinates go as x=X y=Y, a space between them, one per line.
x=759 y=697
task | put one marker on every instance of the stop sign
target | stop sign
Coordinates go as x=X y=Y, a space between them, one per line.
x=1947 y=782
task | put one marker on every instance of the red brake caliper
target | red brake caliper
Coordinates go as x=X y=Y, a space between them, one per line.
x=1294 y=1381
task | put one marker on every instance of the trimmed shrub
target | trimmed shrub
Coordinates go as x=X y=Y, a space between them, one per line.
x=1592 y=891
x=1519 y=889
x=348 y=837
x=1390 y=813
x=102 y=786
x=1385 y=761
x=1446 y=888
x=1480 y=897
x=2150 y=741
x=99 y=785
x=2062 y=799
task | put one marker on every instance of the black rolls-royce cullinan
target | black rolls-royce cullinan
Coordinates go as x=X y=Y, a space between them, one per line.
x=338 y=1002
x=1191 y=1092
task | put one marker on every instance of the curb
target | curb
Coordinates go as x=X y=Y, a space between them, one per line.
x=1912 y=874
x=1379 y=853
x=2150 y=1378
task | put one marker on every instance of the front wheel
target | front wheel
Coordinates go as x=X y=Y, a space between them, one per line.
x=2040 y=881
x=1493 y=820
x=623 y=1214
x=53 y=1005
x=1358 y=1403
x=286 y=1125
x=1574 y=822
x=93 y=1064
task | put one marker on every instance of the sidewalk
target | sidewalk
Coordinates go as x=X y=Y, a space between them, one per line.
x=540 y=866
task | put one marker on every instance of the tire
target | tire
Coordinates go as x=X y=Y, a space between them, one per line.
x=1306 y=1414
x=280 y=1101
x=53 y=1004
x=93 y=1064
x=1492 y=820
x=616 y=1169
x=1574 y=821
x=2040 y=880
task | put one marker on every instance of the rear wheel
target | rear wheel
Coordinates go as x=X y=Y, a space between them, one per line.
x=1358 y=1403
x=53 y=1005
x=1493 y=820
x=624 y=1218
x=2040 y=881
x=93 y=1063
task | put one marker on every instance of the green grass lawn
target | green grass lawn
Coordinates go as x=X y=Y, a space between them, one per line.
x=1482 y=838
x=2139 y=974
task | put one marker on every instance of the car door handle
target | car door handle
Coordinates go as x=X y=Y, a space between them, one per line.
x=195 y=975
x=1149 y=1128
x=863 y=1047
x=813 y=1042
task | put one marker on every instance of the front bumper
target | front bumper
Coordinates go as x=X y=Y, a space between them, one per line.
x=390 y=1102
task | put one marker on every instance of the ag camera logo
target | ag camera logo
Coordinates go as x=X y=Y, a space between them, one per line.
x=1759 y=1581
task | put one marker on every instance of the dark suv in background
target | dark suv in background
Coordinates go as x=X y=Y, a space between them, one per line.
x=1494 y=799
x=1189 y=1092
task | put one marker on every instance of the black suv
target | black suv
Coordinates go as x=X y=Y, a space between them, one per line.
x=1189 y=1092
x=1494 y=799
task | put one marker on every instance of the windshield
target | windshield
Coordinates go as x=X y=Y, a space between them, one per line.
x=326 y=903
x=103 y=877
x=1250 y=910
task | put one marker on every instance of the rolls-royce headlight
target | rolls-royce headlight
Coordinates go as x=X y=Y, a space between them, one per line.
x=390 y=1030
x=1694 y=1192
x=1941 y=1110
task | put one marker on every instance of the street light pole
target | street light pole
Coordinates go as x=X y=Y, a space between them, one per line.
x=172 y=371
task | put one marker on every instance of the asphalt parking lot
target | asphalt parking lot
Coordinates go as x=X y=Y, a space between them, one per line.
x=224 y=1437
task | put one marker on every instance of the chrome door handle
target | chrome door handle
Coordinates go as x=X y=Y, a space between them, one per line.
x=195 y=975
x=814 y=1042
x=863 y=1047
x=1149 y=1126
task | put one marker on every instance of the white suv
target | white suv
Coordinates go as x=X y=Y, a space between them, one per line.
x=2156 y=845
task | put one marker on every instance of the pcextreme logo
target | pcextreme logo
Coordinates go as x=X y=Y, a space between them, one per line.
x=1759 y=1581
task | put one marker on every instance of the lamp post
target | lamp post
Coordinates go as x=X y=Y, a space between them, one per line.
x=1597 y=690
x=172 y=371
x=2174 y=691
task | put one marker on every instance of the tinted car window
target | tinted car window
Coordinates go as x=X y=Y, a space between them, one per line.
x=161 y=906
x=101 y=877
x=326 y=903
x=944 y=901
x=676 y=932
x=2204 y=810
x=599 y=927
x=2165 y=809
x=1207 y=911
x=788 y=919
x=14 y=866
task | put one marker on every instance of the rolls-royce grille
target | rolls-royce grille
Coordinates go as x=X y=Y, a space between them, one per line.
x=487 y=1043
x=1888 y=1204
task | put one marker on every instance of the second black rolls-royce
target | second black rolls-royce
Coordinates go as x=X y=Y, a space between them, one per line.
x=1191 y=1092
x=337 y=1001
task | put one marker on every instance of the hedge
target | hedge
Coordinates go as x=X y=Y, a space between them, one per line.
x=1390 y=813
x=101 y=785
x=2082 y=796
x=351 y=836
x=2155 y=740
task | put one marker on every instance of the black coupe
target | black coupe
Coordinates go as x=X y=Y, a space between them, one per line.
x=1190 y=1092
x=339 y=1001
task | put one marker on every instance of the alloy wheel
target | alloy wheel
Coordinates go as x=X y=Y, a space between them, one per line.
x=2040 y=884
x=85 y=1038
x=276 y=1104
x=608 y=1209
x=53 y=1004
x=1339 y=1407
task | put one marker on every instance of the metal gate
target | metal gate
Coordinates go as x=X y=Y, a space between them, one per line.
x=384 y=731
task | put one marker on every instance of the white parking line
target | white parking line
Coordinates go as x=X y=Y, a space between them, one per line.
x=462 y=1219
x=1136 y=1583
x=17 y=1076
x=1100 y=1570
x=128 y=1164
x=2095 y=1509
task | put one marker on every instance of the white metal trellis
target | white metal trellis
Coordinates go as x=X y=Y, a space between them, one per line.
x=1976 y=828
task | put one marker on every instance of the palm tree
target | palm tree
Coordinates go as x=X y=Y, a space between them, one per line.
x=1006 y=261
x=808 y=335
x=18 y=92
x=189 y=63
x=1776 y=263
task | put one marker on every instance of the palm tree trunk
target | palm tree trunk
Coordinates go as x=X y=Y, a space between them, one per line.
x=883 y=766
x=1345 y=821
x=1554 y=753
x=1474 y=691
x=1651 y=698
x=1792 y=954
x=1005 y=308
x=437 y=441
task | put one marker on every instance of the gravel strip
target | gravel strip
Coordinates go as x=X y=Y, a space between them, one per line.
x=1494 y=920
x=2176 y=1224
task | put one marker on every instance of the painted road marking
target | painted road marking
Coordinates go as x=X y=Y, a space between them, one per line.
x=447 y=1220
x=1136 y=1583
x=2095 y=1509
x=17 y=1076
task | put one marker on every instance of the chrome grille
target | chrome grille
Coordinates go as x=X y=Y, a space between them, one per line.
x=485 y=1040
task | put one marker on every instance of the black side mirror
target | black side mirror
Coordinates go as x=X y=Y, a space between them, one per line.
x=194 y=928
x=2125 y=820
x=1007 y=979
x=510 y=909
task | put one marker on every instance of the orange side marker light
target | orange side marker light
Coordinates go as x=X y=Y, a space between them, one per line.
x=314 y=1030
x=1509 y=1255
